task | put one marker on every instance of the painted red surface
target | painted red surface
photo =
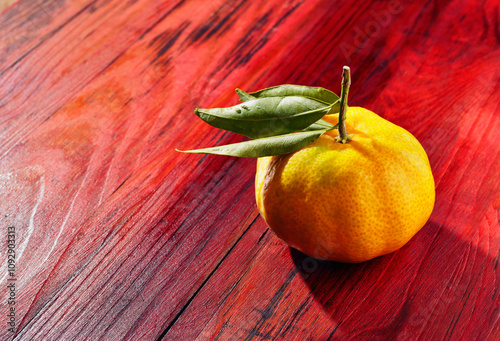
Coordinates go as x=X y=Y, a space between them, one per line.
x=118 y=236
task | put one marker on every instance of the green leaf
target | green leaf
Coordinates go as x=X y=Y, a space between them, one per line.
x=265 y=117
x=321 y=124
x=316 y=93
x=244 y=97
x=270 y=146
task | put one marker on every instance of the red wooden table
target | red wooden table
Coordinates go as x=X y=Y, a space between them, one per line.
x=117 y=236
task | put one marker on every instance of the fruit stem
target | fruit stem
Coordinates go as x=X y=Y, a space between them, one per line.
x=346 y=83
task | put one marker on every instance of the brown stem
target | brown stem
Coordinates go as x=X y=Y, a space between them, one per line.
x=346 y=83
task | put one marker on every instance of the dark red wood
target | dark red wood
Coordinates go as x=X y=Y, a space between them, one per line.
x=121 y=237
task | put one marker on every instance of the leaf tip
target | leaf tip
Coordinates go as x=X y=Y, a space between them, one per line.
x=244 y=96
x=185 y=151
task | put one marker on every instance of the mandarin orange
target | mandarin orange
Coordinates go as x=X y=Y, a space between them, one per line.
x=348 y=202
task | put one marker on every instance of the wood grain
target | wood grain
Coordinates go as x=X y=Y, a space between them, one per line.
x=120 y=237
x=6 y=3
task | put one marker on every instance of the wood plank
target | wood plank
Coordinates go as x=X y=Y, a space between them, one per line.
x=121 y=237
x=442 y=285
x=97 y=140
x=6 y=3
